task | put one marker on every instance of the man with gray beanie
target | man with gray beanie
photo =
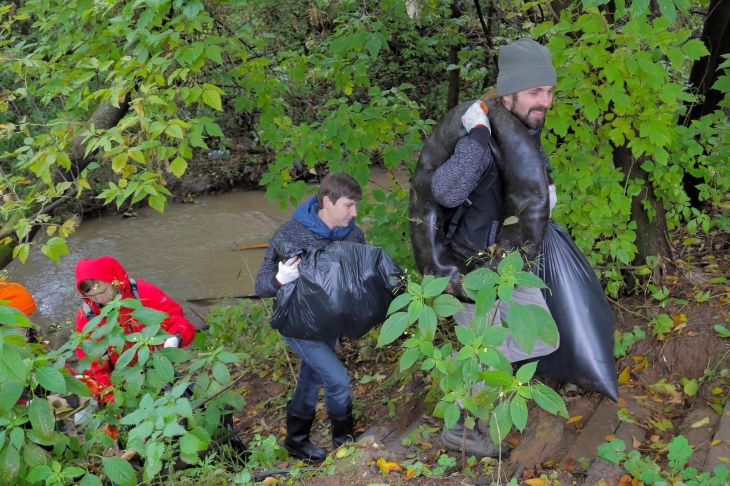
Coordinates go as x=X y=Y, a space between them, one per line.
x=470 y=181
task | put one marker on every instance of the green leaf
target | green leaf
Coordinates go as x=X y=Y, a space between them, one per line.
x=174 y=429
x=90 y=480
x=695 y=49
x=446 y=305
x=190 y=445
x=500 y=423
x=73 y=472
x=399 y=302
x=451 y=415
x=10 y=392
x=119 y=471
x=667 y=9
x=212 y=99
x=435 y=287
x=523 y=326
x=481 y=277
x=51 y=379
x=148 y=316
x=547 y=399
x=42 y=418
x=409 y=357
x=9 y=464
x=11 y=365
x=498 y=378
x=690 y=388
x=526 y=372
x=178 y=166
x=518 y=412
x=465 y=335
x=76 y=386
x=527 y=280
x=174 y=131
x=392 y=328
x=414 y=310
x=153 y=464
x=221 y=373
x=427 y=321
x=54 y=248
x=38 y=473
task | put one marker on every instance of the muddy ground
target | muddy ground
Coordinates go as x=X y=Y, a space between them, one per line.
x=654 y=373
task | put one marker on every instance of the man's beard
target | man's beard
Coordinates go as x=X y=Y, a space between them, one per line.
x=525 y=119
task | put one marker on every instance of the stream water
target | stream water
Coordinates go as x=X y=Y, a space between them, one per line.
x=187 y=251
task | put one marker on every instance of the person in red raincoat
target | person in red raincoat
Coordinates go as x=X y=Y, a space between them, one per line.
x=99 y=280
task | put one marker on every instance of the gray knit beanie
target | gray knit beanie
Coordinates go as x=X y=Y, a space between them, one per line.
x=524 y=64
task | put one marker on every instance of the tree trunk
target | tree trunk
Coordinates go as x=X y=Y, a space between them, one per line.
x=716 y=36
x=652 y=236
x=105 y=117
x=454 y=75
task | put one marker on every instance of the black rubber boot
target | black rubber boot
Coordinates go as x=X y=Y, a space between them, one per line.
x=297 y=441
x=342 y=428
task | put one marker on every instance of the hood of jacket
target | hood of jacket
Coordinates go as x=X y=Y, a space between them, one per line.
x=306 y=214
x=106 y=269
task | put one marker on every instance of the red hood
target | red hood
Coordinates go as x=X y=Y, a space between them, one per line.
x=106 y=269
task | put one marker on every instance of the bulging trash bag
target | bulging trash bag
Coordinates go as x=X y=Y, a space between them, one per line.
x=584 y=318
x=345 y=288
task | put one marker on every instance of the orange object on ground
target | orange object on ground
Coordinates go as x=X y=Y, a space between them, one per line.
x=111 y=431
x=18 y=296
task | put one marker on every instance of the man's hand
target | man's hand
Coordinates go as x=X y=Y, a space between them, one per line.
x=288 y=271
x=476 y=116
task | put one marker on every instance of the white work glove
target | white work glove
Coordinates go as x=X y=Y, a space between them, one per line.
x=172 y=342
x=553 y=198
x=475 y=116
x=288 y=271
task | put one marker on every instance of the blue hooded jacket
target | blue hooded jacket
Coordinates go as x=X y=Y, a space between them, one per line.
x=306 y=213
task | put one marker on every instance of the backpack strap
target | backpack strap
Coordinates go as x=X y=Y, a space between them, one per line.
x=488 y=178
x=133 y=286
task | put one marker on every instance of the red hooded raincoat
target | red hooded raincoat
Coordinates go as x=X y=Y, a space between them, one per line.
x=108 y=269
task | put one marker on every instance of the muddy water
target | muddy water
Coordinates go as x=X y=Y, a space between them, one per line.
x=187 y=251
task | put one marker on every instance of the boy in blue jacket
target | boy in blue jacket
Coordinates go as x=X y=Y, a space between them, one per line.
x=329 y=216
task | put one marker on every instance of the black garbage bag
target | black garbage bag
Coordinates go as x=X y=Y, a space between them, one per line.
x=345 y=289
x=583 y=316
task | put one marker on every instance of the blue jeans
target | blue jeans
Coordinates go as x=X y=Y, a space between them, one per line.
x=320 y=367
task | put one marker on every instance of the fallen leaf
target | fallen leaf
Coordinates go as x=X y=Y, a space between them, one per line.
x=625 y=375
x=577 y=418
x=410 y=473
x=386 y=467
x=269 y=480
x=692 y=333
x=625 y=481
x=609 y=438
x=535 y=482
x=715 y=442
x=622 y=402
x=635 y=442
x=700 y=423
x=641 y=363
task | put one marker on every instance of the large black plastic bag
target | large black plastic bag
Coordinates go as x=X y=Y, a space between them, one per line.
x=344 y=289
x=583 y=316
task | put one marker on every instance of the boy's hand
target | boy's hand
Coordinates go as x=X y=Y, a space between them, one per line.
x=288 y=271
